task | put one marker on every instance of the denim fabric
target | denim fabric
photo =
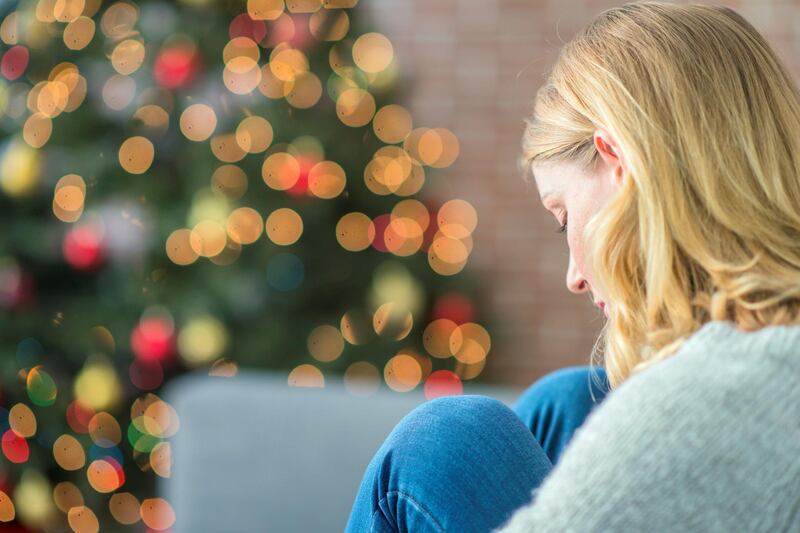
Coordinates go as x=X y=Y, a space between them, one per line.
x=466 y=463
x=558 y=403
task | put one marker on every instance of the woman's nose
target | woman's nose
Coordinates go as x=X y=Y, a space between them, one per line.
x=575 y=281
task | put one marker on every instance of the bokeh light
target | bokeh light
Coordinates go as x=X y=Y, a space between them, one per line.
x=284 y=226
x=355 y=232
x=83 y=520
x=325 y=343
x=67 y=495
x=402 y=372
x=7 y=511
x=157 y=514
x=136 y=154
x=22 y=420
x=125 y=508
x=306 y=375
x=69 y=453
x=198 y=122
x=372 y=52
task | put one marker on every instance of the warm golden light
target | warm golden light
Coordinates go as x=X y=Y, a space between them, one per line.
x=392 y=123
x=198 y=122
x=79 y=33
x=305 y=91
x=392 y=321
x=229 y=181
x=470 y=343
x=329 y=24
x=136 y=155
x=355 y=232
x=457 y=219
x=37 y=130
x=325 y=343
x=402 y=373
x=103 y=476
x=372 y=52
x=207 y=238
x=306 y=376
x=157 y=514
x=7 y=511
x=83 y=520
x=124 y=507
x=280 y=171
x=127 y=56
x=284 y=226
x=264 y=9
x=67 y=495
x=355 y=107
x=436 y=337
x=22 y=420
x=179 y=247
x=161 y=459
x=326 y=180
x=254 y=134
x=69 y=453
x=104 y=430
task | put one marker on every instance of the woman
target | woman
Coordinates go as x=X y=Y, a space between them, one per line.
x=669 y=135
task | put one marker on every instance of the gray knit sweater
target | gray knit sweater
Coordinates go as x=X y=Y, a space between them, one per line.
x=707 y=440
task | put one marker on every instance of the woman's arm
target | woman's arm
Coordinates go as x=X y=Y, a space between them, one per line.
x=708 y=440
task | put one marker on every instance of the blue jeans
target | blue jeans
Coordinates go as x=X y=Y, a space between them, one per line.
x=466 y=463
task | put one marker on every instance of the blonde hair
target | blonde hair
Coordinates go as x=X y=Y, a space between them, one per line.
x=706 y=224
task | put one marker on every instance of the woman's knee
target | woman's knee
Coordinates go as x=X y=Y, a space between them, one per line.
x=452 y=418
x=467 y=440
x=440 y=452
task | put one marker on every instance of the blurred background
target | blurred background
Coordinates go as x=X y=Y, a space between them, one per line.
x=325 y=190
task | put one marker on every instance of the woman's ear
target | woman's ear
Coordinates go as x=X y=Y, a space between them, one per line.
x=611 y=154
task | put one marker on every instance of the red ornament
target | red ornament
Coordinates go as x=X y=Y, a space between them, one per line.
x=300 y=187
x=83 y=247
x=243 y=26
x=443 y=383
x=14 y=62
x=176 y=66
x=152 y=340
x=454 y=306
x=280 y=30
x=302 y=36
x=15 y=448
x=381 y=222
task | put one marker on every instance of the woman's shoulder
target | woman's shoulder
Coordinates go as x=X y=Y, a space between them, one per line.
x=719 y=355
x=681 y=446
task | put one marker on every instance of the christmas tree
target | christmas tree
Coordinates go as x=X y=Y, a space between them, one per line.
x=208 y=187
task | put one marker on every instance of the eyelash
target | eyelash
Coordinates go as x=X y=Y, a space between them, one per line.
x=563 y=228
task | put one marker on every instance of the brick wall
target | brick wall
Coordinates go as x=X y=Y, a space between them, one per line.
x=473 y=66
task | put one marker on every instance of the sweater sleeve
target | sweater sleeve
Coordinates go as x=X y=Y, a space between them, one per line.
x=694 y=443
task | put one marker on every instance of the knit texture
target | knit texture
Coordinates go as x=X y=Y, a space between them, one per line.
x=707 y=440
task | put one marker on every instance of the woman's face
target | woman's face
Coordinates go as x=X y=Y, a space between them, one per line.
x=573 y=196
